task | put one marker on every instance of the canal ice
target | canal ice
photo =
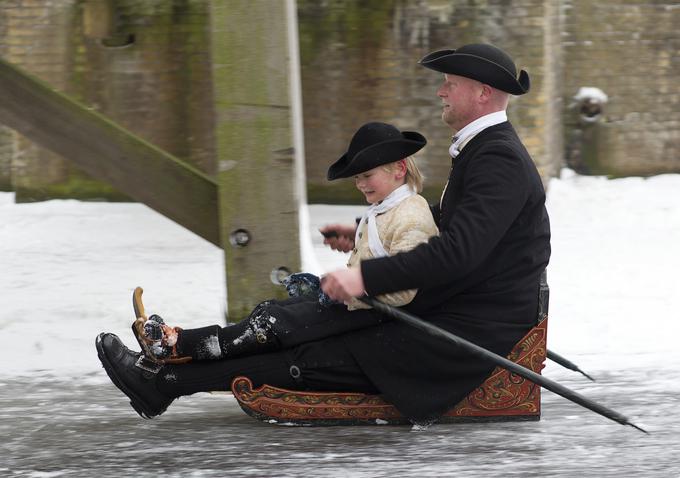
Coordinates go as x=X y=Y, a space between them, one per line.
x=68 y=269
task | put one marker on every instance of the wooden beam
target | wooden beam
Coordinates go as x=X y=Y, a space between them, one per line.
x=258 y=144
x=109 y=152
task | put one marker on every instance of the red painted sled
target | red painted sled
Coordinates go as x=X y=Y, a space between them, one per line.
x=504 y=396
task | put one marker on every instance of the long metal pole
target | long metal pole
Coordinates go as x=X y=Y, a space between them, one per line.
x=557 y=358
x=501 y=361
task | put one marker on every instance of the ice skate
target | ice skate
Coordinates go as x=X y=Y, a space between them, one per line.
x=157 y=340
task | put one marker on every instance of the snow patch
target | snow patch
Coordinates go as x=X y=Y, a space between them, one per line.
x=209 y=348
x=248 y=333
x=591 y=93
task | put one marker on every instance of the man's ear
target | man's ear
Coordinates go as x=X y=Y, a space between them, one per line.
x=486 y=93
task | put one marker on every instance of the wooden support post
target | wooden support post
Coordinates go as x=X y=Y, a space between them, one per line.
x=254 y=51
x=109 y=152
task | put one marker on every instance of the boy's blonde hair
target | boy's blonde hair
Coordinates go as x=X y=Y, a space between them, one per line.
x=414 y=178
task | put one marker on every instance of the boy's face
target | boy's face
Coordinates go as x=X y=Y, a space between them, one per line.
x=377 y=183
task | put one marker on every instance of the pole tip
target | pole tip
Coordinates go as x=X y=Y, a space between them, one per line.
x=639 y=428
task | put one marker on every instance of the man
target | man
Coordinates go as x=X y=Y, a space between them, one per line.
x=478 y=279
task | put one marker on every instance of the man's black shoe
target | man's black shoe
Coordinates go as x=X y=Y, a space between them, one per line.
x=134 y=379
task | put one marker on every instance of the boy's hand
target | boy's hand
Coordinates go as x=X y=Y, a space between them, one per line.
x=344 y=284
x=339 y=237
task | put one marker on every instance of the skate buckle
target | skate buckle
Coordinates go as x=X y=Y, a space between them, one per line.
x=148 y=365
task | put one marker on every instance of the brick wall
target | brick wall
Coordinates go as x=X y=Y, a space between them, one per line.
x=630 y=50
x=6 y=151
x=143 y=63
x=359 y=63
x=5 y=133
x=36 y=39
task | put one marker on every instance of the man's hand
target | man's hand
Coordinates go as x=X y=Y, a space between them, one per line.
x=339 y=237
x=344 y=284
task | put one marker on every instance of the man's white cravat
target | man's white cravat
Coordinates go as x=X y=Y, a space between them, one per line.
x=472 y=129
x=395 y=197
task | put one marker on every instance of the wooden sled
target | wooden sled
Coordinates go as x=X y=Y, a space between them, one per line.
x=504 y=396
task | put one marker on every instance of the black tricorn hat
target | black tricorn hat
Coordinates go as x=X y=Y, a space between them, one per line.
x=482 y=62
x=373 y=145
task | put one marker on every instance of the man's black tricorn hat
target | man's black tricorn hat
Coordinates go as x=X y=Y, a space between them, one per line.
x=482 y=62
x=373 y=145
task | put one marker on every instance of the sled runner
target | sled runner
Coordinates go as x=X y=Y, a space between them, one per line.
x=504 y=396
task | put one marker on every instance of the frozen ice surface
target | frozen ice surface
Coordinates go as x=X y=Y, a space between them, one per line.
x=68 y=270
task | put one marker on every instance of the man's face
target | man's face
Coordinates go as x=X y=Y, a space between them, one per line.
x=459 y=100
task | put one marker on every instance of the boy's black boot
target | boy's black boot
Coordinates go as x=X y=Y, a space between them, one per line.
x=133 y=375
x=254 y=335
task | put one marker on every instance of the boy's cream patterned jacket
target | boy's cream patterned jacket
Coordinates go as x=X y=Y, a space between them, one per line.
x=401 y=228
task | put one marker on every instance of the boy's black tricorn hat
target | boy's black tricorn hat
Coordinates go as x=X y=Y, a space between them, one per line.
x=373 y=145
x=482 y=62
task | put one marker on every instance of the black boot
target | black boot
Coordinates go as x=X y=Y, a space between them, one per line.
x=253 y=335
x=134 y=376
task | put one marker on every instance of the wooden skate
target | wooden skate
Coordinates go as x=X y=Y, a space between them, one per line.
x=138 y=332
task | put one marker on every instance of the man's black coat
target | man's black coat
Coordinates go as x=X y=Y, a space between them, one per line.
x=478 y=279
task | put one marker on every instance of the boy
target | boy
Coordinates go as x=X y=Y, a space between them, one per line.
x=398 y=219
